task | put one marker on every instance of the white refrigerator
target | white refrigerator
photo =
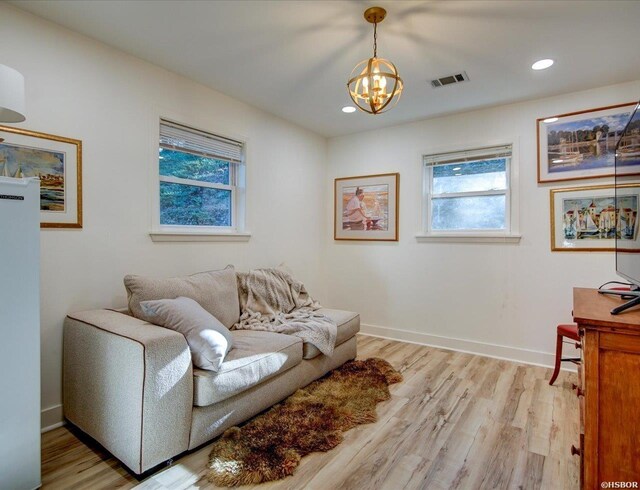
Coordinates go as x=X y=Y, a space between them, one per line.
x=19 y=333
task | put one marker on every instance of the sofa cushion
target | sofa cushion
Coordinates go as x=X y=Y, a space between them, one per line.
x=255 y=357
x=209 y=340
x=348 y=324
x=216 y=291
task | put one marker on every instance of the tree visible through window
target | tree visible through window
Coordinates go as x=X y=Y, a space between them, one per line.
x=197 y=186
x=193 y=205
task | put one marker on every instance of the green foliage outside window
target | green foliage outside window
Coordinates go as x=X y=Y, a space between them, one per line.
x=194 y=167
x=182 y=204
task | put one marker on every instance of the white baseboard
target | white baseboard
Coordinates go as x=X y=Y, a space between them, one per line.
x=496 y=351
x=51 y=418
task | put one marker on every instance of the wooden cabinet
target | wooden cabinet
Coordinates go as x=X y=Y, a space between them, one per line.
x=609 y=381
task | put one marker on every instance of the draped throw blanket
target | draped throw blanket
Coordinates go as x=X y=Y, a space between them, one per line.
x=272 y=300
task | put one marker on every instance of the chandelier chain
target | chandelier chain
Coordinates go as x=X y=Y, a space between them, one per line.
x=375 y=40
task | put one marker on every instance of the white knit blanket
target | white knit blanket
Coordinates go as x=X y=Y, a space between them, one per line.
x=272 y=300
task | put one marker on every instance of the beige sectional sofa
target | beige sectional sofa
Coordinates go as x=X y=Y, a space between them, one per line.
x=131 y=385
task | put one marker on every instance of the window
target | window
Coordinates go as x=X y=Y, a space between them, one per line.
x=468 y=192
x=200 y=178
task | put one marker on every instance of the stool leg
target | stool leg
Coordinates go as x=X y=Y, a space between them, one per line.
x=556 y=371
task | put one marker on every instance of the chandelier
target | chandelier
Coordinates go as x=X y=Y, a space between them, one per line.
x=374 y=84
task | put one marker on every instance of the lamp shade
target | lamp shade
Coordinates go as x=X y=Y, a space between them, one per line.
x=11 y=95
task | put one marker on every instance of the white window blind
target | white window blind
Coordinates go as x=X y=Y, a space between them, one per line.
x=488 y=153
x=174 y=136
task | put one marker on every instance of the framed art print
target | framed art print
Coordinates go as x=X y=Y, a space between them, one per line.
x=581 y=145
x=588 y=219
x=57 y=162
x=366 y=207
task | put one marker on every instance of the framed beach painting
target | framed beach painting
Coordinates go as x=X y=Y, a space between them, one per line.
x=366 y=207
x=590 y=219
x=57 y=162
x=581 y=145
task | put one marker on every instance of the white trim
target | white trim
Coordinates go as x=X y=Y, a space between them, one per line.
x=512 y=212
x=199 y=236
x=495 y=351
x=162 y=233
x=197 y=183
x=207 y=185
x=514 y=188
x=49 y=428
x=493 y=192
x=431 y=196
x=51 y=418
x=469 y=237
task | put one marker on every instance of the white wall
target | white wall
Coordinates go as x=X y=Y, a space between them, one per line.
x=483 y=295
x=82 y=89
x=497 y=299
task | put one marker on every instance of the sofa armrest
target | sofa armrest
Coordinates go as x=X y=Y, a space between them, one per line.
x=129 y=385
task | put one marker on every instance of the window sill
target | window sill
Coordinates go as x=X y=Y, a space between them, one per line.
x=195 y=236
x=469 y=237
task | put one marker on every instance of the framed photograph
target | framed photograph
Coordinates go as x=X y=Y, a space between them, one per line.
x=585 y=219
x=366 y=207
x=581 y=145
x=57 y=162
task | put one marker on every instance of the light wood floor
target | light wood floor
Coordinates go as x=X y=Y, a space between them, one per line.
x=457 y=421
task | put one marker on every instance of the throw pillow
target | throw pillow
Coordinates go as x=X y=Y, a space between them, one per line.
x=208 y=339
x=215 y=291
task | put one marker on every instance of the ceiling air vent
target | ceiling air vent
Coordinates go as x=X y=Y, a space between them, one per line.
x=450 y=80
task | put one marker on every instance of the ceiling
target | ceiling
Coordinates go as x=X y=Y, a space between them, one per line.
x=292 y=58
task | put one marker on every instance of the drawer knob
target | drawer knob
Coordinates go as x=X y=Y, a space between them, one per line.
x=578 y=345
x=574 y=451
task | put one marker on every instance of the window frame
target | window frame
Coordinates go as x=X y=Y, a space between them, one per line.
x=237 y=185
x=510 y=233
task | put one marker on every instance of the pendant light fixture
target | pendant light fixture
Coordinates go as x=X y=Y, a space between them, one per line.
x=374 y=84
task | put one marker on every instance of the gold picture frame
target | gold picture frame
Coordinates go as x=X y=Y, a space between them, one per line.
x=580 y=154
x=366 y=207
x=569 y=230
x=57 y=162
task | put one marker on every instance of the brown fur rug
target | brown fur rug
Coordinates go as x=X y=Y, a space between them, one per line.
x=270 y=446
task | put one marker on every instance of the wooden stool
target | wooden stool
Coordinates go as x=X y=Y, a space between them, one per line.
x=569 y=330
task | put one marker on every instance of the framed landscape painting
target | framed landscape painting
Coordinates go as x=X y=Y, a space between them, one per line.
x=590 y=219
x=57 y=162
x=581 y=145
x=366 y=207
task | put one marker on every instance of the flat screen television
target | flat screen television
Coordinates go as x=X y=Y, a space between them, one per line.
x=627 y=204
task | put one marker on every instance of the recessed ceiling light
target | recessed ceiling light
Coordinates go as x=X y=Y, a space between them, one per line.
x=457 y=168
x=542 y=64
x=550 y=120
x=348 y=109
